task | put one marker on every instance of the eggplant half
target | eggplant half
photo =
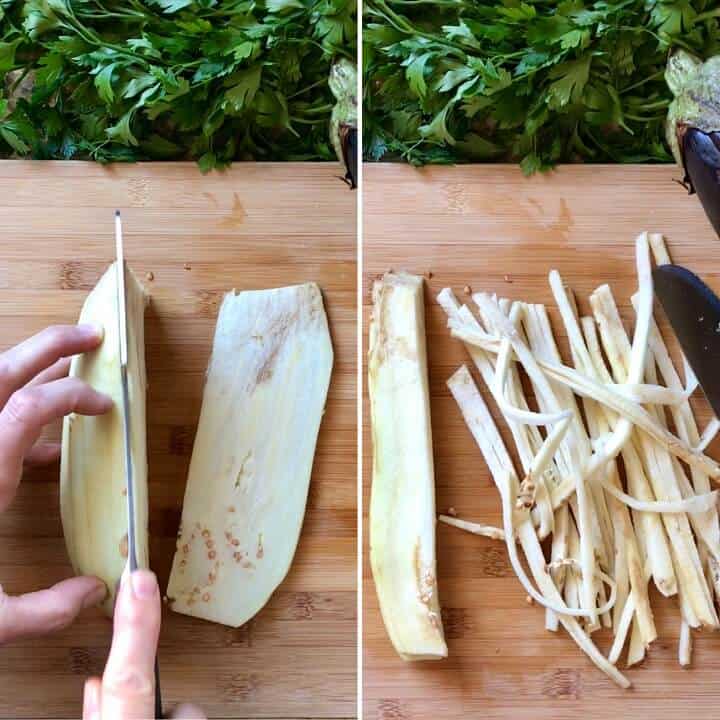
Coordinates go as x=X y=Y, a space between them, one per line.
x=343 y=121
x=693 y=127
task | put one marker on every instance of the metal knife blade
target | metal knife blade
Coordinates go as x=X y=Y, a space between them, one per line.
x=123 y=350
x=694 y=313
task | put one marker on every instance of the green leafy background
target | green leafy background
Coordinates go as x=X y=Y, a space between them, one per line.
x=210 y=80
x=537 y=82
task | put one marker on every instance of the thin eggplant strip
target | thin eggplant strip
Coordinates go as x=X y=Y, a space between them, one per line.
x=623 y=429
x=557 y=607
x=709 y=433
x=577 y=445
x=662 y=257
x=604 y=577
x=695 y=504
x=661 y=472
x=666 y=478
x=542 y=512
x=629 y=560
x=708 y=527
x=558 y=551
x=659 y=527
x=621 y=631
x=685 y=644
x=483 y=429
x=526 y=438
x=647 y=524
x=546 y=395
x=568 y=313
x=540 y=463
x=648 y=394
x=628 y=564
x=485 y=364
x=488 y=531
x=571 y=592
x=704 y=525
x=519 y=415
x=574 y=450
x=586 y=387
x=605 y=618
x=691 y=381
x=636 y=651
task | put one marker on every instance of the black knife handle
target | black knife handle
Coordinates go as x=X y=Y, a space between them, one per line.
x=158 y=694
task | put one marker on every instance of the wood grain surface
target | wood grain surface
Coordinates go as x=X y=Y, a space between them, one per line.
x=492 y=229
x=254 y=226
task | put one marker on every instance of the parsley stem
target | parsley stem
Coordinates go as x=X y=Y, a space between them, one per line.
x=322 y=81
x=307 y=121
x=640 y=83
x=321 y=109
x=657 y=105
x=639 y=118
x=708 y=15
x=436 y=3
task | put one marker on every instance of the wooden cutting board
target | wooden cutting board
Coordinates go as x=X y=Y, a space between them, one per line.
x=253 y=226
x=492 y=229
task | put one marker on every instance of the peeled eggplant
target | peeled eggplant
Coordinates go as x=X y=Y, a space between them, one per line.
x=402 y=503
x=93 y=493
x=250 y=470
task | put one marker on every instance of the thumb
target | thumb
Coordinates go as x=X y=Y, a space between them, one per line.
x=186 y=711
x=128 y=684
x=47 y=610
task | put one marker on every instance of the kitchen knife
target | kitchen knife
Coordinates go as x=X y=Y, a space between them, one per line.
x=125 y=409
x=123 y=351
x=694 y=313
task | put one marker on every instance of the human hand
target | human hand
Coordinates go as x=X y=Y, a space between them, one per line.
x=34 y=391
x=127 y=688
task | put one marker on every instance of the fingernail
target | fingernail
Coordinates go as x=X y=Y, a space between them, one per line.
x=94 y=331
x=144 y=584
x=96 y=596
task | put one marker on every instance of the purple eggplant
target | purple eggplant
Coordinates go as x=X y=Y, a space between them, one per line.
x=343 y=121
x=693 y=127
x=701 y=157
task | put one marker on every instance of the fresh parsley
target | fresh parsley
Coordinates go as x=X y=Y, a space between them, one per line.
x=210 y=80
x=533 y=81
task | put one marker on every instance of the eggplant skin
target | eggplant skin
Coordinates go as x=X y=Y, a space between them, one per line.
x=701 y=159
x=348 y=137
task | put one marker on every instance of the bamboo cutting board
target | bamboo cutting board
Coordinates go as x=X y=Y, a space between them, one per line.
x=492 y=229
x=253 y=226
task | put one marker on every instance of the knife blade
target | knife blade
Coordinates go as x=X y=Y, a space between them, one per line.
x=693 y=310
x=123 y=354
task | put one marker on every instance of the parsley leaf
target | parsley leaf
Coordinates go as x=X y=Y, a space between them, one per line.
x=525 y=81
x=210 y=80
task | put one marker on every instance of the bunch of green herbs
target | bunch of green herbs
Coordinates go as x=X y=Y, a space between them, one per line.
x=210 y=80
x=535 y=81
